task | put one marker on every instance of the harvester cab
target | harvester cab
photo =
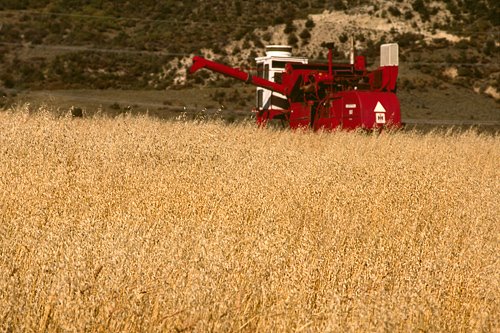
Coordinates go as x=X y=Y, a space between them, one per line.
x=271 y=67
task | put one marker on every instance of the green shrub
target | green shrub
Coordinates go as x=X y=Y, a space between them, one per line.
x=394 y=11
x=292 y=39
x=421 y=7
x=310 y=23
x=339 y=5
x=305 y=34
x=343 y=38
x=289 y=28
x=489 y=47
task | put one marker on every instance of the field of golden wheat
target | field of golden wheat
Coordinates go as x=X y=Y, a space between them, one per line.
x=135 y=224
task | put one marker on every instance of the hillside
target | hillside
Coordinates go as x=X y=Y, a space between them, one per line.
x=55 y=44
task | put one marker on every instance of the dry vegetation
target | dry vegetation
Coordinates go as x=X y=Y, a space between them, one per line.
x=134 y=224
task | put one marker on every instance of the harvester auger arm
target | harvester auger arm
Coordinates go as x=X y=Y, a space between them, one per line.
x=200 y=62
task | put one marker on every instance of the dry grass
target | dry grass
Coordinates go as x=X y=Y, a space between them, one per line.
x=133 y=224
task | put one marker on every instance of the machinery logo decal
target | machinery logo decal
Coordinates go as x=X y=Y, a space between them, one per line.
x=379 y=113
x=380 y=118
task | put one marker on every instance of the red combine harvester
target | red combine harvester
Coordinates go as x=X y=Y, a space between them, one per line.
x=321 y=95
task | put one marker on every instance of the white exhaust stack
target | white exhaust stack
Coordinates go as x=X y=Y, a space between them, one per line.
x=352 y=51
